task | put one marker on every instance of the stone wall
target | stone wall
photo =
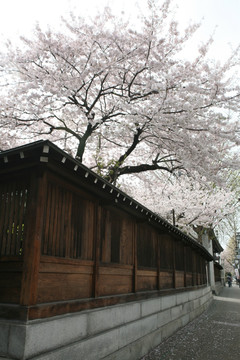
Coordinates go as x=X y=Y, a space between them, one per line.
x=120 y=332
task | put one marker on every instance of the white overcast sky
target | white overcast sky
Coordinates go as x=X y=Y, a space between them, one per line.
x=18 y=17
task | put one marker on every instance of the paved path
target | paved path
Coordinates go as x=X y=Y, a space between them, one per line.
x=213 y=335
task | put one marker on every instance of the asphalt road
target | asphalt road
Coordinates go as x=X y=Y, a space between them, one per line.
x=213 y=335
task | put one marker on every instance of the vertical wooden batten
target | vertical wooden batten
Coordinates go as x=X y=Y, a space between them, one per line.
x=174 y=264
x=185 y=265
x=96 y=245
x=158 y=264
x=135 y=264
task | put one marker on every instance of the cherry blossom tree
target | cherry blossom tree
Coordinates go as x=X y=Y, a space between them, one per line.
x=123 y=99
x=185 y=202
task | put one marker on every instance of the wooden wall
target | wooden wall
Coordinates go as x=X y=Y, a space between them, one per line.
x=59 y=242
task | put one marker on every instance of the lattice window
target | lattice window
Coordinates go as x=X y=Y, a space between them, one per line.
x=13 y=205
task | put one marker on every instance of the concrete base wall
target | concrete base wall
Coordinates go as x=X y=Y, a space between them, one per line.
x=120 y=332
x=217 y=288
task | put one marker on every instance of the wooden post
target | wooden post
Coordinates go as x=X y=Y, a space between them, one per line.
x=174 y=263
x=32 y=243
x=193 y=268
x=97 y=245
x=185 y=265
x=158 y=264
x=134 y=280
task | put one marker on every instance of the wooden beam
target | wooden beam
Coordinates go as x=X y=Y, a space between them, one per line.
x=32 y=243
x=135 y=262
x=97 y=244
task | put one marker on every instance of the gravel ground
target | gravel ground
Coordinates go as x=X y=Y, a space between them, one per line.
x=213 y=335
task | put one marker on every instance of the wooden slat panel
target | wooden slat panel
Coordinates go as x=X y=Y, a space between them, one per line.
x=88 y=230
x=113 y=284
x=69 y=224
x=13 y=204
x=146 y=246
x=64 y=279
x=10 y=286
x=166 y=279
x=189 y=279
x=126 y=241
x=64 y=286
x=22 y=220
x=10 y=282
x=8 y=220
x=115 y=280
x=117 y=237
x=166 y=251
x=105 y=237
x=179 y=279
x=3 y=211
x=147 y=280
x=179 y=255
x=147 y=284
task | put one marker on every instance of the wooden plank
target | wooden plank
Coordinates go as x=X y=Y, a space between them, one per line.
x=166 y=279
x=11 y=266
x=65 y=268
x=127 y=270
x=147 y=280
x=147 y=272
x=10 y=285
x=179 y=278
x=60 y=260
x=189 y=279
x=64 y=286
x=115 y=283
